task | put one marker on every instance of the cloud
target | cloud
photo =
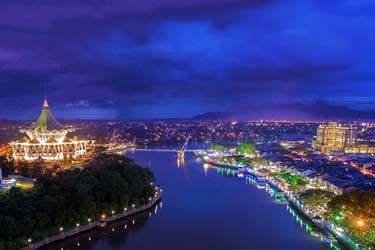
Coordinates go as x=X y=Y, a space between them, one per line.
x=143 y=59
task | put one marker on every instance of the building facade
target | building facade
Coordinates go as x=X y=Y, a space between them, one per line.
x=47 y=139
x=335 y=138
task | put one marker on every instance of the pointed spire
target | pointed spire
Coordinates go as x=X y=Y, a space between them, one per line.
x=45 y=103
x=46 y=120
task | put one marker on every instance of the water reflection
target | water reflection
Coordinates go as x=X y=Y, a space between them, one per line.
x=180 y=161
x=278 y=197
x=117 y=231
x=200 y=199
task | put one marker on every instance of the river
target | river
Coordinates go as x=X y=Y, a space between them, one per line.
x=202 y=209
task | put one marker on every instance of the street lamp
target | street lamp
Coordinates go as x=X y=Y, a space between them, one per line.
x=61 y=230
x=360 y=224
x=133 y=206
x=29 y=240
x=89 y=220
x=113 y=212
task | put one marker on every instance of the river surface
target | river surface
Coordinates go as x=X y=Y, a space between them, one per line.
x=201 y=209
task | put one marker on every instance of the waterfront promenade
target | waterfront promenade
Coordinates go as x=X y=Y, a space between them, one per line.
x=343 y=238
x=96 y=224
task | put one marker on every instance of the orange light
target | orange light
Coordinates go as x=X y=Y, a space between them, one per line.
x=103 y=216
x=360 y=223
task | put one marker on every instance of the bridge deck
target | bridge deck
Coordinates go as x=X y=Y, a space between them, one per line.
x=160 y=150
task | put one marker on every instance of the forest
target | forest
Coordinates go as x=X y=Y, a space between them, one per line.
x=108 y=183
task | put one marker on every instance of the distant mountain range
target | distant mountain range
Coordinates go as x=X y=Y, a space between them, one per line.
x=297 y=111
x=215 y=116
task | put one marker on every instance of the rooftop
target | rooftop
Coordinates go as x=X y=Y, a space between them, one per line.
x=46 y=121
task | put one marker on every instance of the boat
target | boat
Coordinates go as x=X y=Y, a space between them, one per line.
x=241 y=172
x=317 y=220
x=260 y=181
x=315 y=234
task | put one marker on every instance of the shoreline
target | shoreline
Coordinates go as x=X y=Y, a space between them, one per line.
x=347 y=244
x=93 y=225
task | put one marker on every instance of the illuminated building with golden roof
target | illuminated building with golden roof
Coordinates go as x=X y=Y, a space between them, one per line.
x=47 y=139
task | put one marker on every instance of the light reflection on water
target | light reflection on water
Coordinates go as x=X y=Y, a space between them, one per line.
x=202 y=208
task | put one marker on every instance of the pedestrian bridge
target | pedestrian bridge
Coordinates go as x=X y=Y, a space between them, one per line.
x=121 y=148
x=159 y=150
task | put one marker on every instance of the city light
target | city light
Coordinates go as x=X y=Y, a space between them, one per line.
x=337 y=217
x=360 y=223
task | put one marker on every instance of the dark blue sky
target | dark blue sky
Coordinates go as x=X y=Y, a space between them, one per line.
x=157 y=59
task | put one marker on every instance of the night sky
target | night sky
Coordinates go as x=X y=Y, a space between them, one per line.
x=136 y=59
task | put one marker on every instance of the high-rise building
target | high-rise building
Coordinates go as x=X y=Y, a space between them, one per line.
x=335 y=138
x=47 y=139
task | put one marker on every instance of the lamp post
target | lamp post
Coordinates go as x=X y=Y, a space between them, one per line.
x=89 y=220
x=113 y=212
x=29 y=240
x=125 y=209
x=61 y=231
x=133 y=206
x=77 y=226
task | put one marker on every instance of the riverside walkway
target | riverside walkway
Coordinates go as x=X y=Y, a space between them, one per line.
x=96 y=224
x=342 y=237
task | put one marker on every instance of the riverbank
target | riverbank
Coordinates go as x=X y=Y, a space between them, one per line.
x=97 y=224
x=204 y=158
x=329 y=233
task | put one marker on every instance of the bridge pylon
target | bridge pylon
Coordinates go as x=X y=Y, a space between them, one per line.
x=181 y=152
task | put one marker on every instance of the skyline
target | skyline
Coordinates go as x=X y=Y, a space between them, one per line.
x=124 y=60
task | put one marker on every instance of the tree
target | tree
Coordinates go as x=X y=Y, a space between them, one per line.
x=109 y=183
x=355 y=213
x=316 y=197
x=246 y=148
